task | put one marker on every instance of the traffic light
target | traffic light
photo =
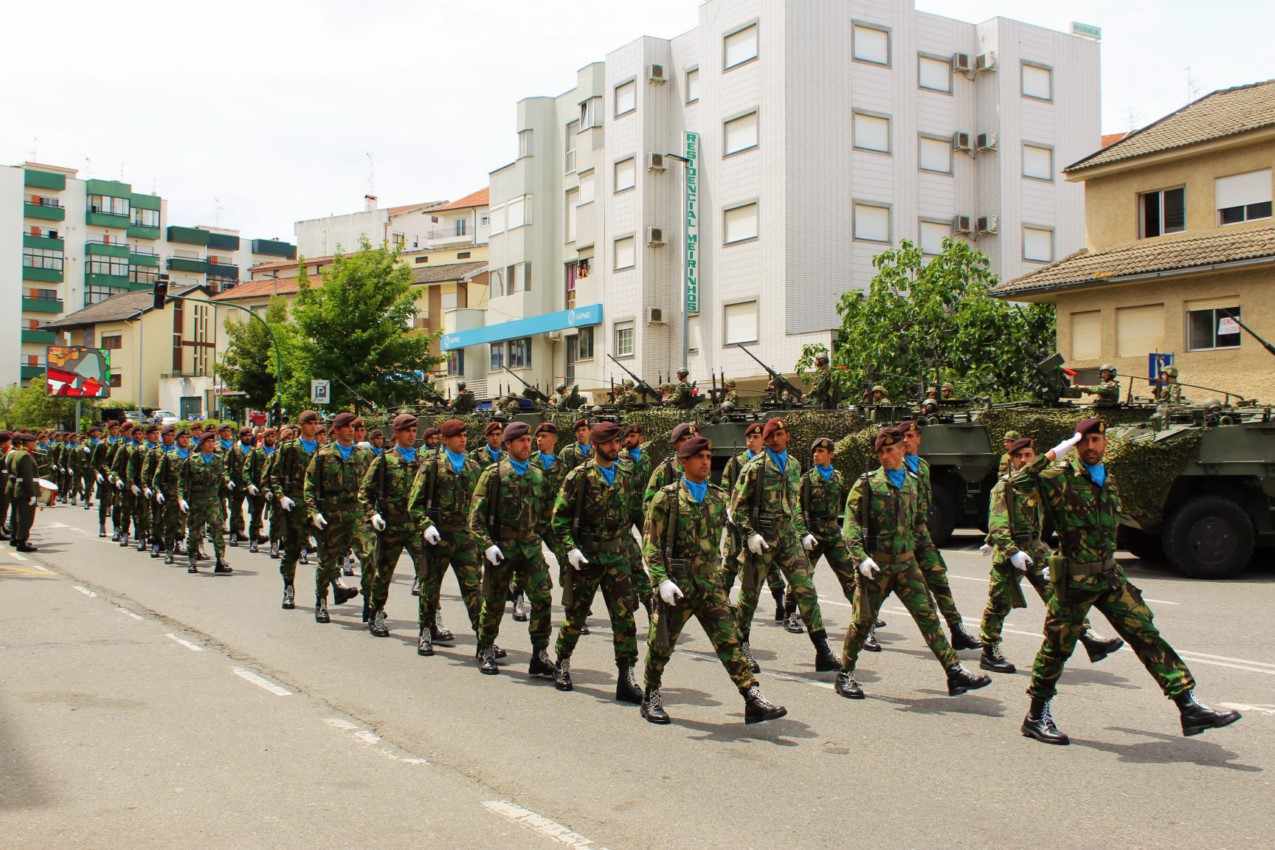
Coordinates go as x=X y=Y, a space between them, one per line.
x=276 y=415
x=161 y=291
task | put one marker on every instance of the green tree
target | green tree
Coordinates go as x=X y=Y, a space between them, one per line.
x=355 y=329
x=931 y=318
x=29 y=407
x=248 y=365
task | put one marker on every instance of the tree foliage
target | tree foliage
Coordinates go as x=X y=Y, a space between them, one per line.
x=248 y=365
x=29 y=407
x=927 y=319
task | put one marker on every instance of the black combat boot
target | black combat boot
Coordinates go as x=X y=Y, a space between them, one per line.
x=1099 y=647
x=520 y=607
x=870 y=642
x=438 y=631
x=1039 y=724
x=193 y=565
x=378 y=627
x=960 y=680
x=825 y=660
x=748 y=656
x=993 y=660
x=653 y=707
x=778 y=596
x=341 y=593
x=170 y=556
x=123 y=538
x=626 y=687
x=141 y=544
x=289 y=597
x=424 y=646
x=25 y=546
x=757 y=708
x=847 y=686
x=222 y=568
x=962 y=639
x=1196 y=716
x=321 y=609
x=562 y=674
x=156 y=549
x=416 y=586
x=540 y=667
x=367 y=609
x=487 y=659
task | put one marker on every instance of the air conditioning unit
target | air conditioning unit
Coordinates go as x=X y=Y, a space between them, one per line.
x=961 y=224
x=986 y=141
x=960 y=62
x=554 y=336
x=654 y=316
x=655 y=236
x=658 y=75
x=961 y=141
x=655 y=162
x=985 y=62
x=988 y=223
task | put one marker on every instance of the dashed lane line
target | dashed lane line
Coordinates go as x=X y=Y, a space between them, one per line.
x=192 y=647
x=537 y=823
x=261 y=682
x=370 y=738
x=128 y=613
x=84 y=590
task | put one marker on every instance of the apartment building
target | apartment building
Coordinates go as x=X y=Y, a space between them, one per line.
x=824 y=132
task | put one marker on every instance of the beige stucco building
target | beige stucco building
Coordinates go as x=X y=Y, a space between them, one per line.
x=1179 y=243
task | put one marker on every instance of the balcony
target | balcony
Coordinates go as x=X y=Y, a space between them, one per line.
x=97 y=217
x=45 y=209
x=43 y=243
x=98 y=248
x=141 y=257
x=30 y=373
x=187 y=264
x=141 y=231
x=273 y=248
x=116 y=281
x=188 y=235
x=41 y=305
x=44 y=180
x=33 y=337
x=223 y=242
x=42 y=275
x=221 y=270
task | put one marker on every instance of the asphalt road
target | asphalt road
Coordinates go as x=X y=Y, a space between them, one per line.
x=141 y=706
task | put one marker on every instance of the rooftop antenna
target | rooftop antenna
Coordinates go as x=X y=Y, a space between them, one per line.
x=121 y=172
x=1133 y=119
x=1192 y=85
x=217 y=211
x=88 y=166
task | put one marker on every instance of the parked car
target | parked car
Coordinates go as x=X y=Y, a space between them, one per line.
x=165 y=417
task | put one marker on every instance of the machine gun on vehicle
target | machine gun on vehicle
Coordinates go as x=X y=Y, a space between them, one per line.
x=1225 y=312
x=644 y=389
x=782 y=385
x=529 y=392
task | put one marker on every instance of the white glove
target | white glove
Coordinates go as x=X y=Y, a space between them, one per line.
x=809 y=542
x=147 y=492
x=286 y=503
x=494 y=555
x=432 y=536
x=119 y=484
x=319 y=522
x=100 y=479
x=577 y=559
x=378 y=522
x=1044 y=573
x=230 y=484
x=868 y=568
x=1060 y=450
x=1021 y=561
x=985 y=550
x=670 y=592
x=253 y=490
x=159 y=497
x=137 y=491
x=181 y=503
x=34 y=500
x=756 y=544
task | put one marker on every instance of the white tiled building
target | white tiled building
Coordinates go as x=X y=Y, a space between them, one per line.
x=829 y=130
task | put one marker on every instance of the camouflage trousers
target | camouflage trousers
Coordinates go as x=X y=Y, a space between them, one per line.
x=934 y=568
x=87 y=485
x=122 y=510
x=838 y=555
x=730 y=567
x=294 y=536
x=363 y=544
x=1122 y=604
x=641 y=582
x=256 y=512
x=786 y=553
x=458 y=549
x=277 y=521
x=705 y=598
x=906 y=582
x=235 y=502
x=142 y=516
x=334 y=541
x=612 y=571
x=1000 y=597
x=206 y=514
x=524 y=559
x=392 y=541
x=105 y=496
x=169 y=522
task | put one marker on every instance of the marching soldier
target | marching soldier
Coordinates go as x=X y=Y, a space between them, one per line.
x=730 y=561
x=668 y=470
x=1017 y=550
x=201 y=485
x=592 y=515
x=545 y=458
x=506 y=516
x=331 y=494
x=432 y=439
x=376 y=441
x=385 y=494
x=1084 y=502
x=171 y=526
x=491 y=453
x=579 y=451
x=24 y=492
x=1107 y=389
x=257 y=484
x=680 y=545
x=96 y=471
x=141 y=463
x=122 y=515
x=766 y=510
x=638 y=463
x=363 y=540
x=884 y=527
x=6 y=446
x=236 y=470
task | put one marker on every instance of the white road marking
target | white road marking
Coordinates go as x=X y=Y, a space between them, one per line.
x=1268 y=710
x=192 y=647
x=1236 y=660
x=128 y=613
x=985 y=581
x=19 y=557
x=537 y=823
x=262 y=682
x=84 y=590
x=371 y=739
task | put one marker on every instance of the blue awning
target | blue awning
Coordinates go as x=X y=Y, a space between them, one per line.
x=578 y=317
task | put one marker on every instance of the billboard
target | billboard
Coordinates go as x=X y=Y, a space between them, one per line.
x=77 y=372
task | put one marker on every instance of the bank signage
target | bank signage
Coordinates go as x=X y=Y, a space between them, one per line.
x=578 y=317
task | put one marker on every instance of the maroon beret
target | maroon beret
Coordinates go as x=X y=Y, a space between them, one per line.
x=306 y=417
x=823 y=443
x=908 y=425
x=403 y=421
x=546 y=428
x=343 y=419
x=226 y=426
x=514 y=430
x=1020 y=444
x=206 y=436
x=771 y=426
x=1091 y=426
x=603 y=432
x=5 y=436
x=374 y=433
x=694 y=446
x=633 y=428
x=168 y=429
x=682 y=431
x=451 y=428
x=23 y=437
x=243 y=432
x=431 y=432
x=754 y=428
x=580 y=423
x=888 y=437
x=494 y=428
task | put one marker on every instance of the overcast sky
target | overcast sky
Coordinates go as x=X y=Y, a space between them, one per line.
x=256 y=114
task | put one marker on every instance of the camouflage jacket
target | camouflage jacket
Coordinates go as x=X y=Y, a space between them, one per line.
x=453 y=492
x=287 y=475
x=1004 y=467
x=387 y=486
x=683 y=396
x=1014 y=522
x=1104 y=390
x=571 y=455
x=255 y=467
x=120 y=458
x=332 y=483
x=99 y=458
x=142 y=462
x=693 y=529
x=202 y=480
x=1170 y=393
x=895 y=516
x=464 y=402
x=553 y=476
x=588 y=511
x=164 y=478
x=665 y=473
x=508 y=506
x=641 y=470
x=1085 y=515
x=730 y=475
x=236 y=461
x=482 y=457
x=823 y=503
x=762 y=490
x=821 y=387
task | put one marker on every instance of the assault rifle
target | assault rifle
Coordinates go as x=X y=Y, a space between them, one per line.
x=644 y=389
x=1225 y=312
x=529 y=391
x=782 y=384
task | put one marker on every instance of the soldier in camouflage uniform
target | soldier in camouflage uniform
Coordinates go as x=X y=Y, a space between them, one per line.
x=730 y=399
x=593 y=513
x=507 y=517
x=545 y=458
x=385 y=494
x=201 y=488
x=823 y=389
x=668 y=470
x=683 y=397
x=331 y=494
x=140 y=469
x=1170 y=391
x=627 y=397
x=580 y=450
x=23 y=491
x=885 y=530
x=97 y=469
x=237 y=457
x=81 y=477
x=1084 y=503
x=766 y=510
x=931 y=562
x=1005 y=466
x=1107 y=389
x=679 y=543
x=278 y=522
x=732 y=543
x=464 y=402
x=491 y=453
x=6 y=446
x=256 y=483
x=363 y=540
x=166 y=519
x=638 y=463
x=122 y=498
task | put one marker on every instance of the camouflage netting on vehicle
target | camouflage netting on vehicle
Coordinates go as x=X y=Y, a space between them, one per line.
x=855 y=454
x=1048 y=426
x=1146 y=469
x=806 y=426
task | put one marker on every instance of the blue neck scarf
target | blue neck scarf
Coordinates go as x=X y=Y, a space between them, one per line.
x=825 y=472
x=94 y=441
x=269 y=450
x=310 y=446
x=636 y=454
x=751 y=454
x=207 y=457
x=494 y=455
x=113 y=439
x=896 y=477
x=182 y=453
x=168 y=448
x=697 y=491
x=457 y=459
x=151 y=445
x=585 y=451
x=547 y=460
x=1097 y=473
x=346 y=451
x=781 y=460
x=226 y=444
x=377 y=451
x=913 y=462
x=608 y=473
x=408 y=455
x=519 y=466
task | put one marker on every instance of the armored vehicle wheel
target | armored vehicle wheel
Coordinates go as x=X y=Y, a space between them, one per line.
x=1209 y=537
x=1140 y=544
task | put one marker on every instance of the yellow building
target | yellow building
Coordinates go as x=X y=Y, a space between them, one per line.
x=1180 y=243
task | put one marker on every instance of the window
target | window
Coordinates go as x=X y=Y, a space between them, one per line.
x=1038 y=162
x=932 y=235
x=116 y=379
x=396 y=239
x=526 y=143
x=740 y=224
x=518 y=212
x=692 y=85
x=740 y=46
x=496 y=283
x=461 y=227
x=518 y=278
x=518 y=353
x=448 y=300
x=741 y=322
x=569 y=165
x=1139 y=330
x=497 y=214
x=871 y=223
x=44 y=294
x=424 y=259
x=624 y=339
x=1163 y=212
x=573 y=197
x=625 y=98
x=107 y=204
x=625 y=253
x=114 y=342
x=935 y=155
x=934 y=74
x=40 y=258
x=573 y=274
x=1243 y=197
x=625 y=174
x=145 y=218
x=591 y=114
x=1038 y=82
x=93 y=293
x=497 y=356
x=1038 y=245
x=871 y=45
x=871 y=132
x=584 y=344
x=114 y=266
x=456 y=364
x=741 y=133
x=1086 y=335
x=146 y=275
x=1209 y=327
x=586 y=188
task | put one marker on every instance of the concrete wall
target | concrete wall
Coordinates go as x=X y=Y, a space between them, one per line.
x=11 y=284
x=320 y=237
